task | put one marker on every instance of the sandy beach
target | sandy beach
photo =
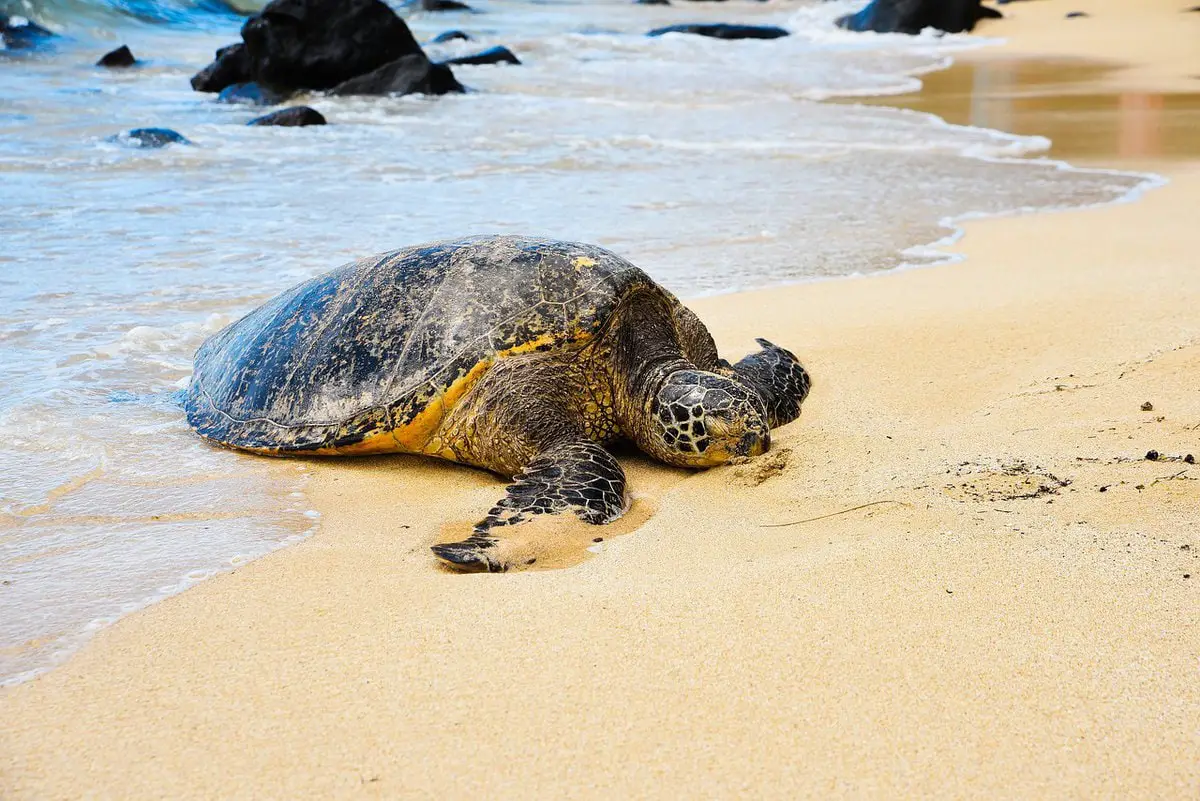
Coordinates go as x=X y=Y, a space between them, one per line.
x=957 y=573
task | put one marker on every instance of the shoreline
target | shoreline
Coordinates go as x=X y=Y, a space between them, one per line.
x=828 y=656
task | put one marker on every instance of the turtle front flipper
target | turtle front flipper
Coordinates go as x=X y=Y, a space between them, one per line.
x=577 y=476
x=779 y=378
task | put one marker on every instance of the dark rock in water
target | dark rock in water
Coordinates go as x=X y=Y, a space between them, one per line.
x=723 y=31
x=1074 y=14
x=231 y=66
x=18 y=33
x=913 y=16
x=294 y=117
x=493 y=55
x=346 y=46
x=413 y=74
x=252 y=94
x=652 y=2
x=319 y=44
x=121 y=57
x=450 y=36
x=444 y=5
x=150 y=137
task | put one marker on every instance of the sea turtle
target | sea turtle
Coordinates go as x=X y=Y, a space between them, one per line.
x=519 y=355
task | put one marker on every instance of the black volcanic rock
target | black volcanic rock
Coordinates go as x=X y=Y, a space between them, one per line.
x=652 y=2
x=318 y=44
x=913 y=16
x=231 y=66
x=345 y=46
x=493 y=55
x=294 y=117
x=1076 y=14
x=18 y=33
x=412 y=74
x=150 y=138
x=444 y=5
x=723 y=31
x=450 y=36
x=121 y=57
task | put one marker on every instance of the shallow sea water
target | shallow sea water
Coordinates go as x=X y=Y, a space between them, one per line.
x=713 y=165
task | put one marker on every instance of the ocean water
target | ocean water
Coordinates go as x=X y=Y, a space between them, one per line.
x=714 y=165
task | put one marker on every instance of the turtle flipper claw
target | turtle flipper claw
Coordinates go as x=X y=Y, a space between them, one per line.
x=472 y=555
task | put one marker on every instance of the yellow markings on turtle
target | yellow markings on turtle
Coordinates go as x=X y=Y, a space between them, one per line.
x=416 y=436
x=542 y=341
x=379 y=442
x=579 y=262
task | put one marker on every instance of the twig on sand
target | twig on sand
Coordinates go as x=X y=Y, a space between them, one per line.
x=1171 y=477
x=831 y=514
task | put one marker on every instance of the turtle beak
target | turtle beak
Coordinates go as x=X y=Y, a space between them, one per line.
x=753 y=444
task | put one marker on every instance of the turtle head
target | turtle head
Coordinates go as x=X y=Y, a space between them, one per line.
x=702 y=419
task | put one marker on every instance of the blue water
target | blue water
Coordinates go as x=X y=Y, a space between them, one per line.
x=714 y=165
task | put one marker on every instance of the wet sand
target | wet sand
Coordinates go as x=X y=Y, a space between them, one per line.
x=1069 y=101
x=957 y=573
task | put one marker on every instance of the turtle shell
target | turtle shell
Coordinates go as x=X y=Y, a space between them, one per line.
x=369 y=357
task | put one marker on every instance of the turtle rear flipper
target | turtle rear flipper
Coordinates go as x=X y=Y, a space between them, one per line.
x=576 y=476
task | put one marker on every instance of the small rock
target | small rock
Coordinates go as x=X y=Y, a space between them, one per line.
x=251 y=94
x=294 y=117
x=724 y=31
x=493 y=55
x=1152 y=456
x=1147 y=406
x=652 y=2
x=450 y=36
x=150 y=138
x=18 y=33
x=1075 y=14
x=1189 y=459
x=444 y=5
x=121 y=57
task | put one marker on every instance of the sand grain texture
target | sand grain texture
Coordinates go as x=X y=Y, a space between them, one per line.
x=1013 y=615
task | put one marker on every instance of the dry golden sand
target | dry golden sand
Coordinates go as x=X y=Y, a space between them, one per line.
x=1015 y=615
